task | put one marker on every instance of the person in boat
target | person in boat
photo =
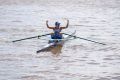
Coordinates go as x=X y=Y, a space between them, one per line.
x=57 y=29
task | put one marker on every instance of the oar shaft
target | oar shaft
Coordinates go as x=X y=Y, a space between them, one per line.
x=91 y=40
x=43 y=35
x=31 y=37
x=24 y=39
x=85 y=39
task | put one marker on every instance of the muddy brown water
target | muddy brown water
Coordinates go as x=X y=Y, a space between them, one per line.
x=79 y=59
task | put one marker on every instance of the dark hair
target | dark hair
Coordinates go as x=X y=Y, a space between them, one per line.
x=57 y=24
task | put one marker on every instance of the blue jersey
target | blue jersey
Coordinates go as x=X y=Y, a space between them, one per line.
x=57 y=31
x=56 y=34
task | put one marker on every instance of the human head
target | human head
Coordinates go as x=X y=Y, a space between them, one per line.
x=57 y=24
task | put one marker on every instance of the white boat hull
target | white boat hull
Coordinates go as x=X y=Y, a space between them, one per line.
x=52 y=46
x=55 y=45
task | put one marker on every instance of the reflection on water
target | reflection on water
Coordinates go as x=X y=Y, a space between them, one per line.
x=57 y=50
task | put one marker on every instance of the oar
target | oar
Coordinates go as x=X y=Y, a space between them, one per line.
x=85 y=39
x=31 y=37
x=43 y=35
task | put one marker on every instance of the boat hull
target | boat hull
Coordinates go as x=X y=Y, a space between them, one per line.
x=53 y=46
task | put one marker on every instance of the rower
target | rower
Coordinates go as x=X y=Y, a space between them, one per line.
x=57 y=29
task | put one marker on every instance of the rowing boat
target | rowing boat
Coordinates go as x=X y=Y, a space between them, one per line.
x=55 y=45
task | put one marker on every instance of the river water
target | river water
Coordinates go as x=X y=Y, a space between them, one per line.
x=79 y=59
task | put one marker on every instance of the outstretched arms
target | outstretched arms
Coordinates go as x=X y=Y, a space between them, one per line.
x=60 y=27
x=48 y=25
x=66 y=25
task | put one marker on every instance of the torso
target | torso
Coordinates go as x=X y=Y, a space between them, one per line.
x=57 y=34
x=57 y=30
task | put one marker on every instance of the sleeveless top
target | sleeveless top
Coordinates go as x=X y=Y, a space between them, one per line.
x=57 y=31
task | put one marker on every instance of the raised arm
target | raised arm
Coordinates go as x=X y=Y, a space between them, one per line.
x=66 y=25
x=48 y=25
